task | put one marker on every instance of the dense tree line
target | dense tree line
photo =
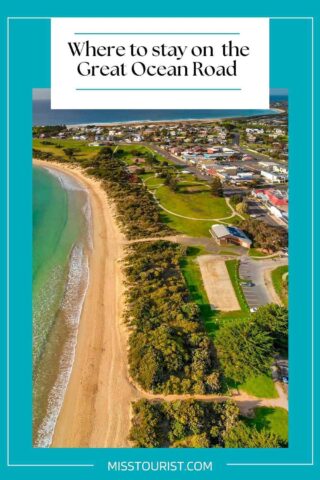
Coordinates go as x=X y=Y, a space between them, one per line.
x=41 y=155
x=216 y=187
x=268 y=237
x=195 y=424
x=248 y=347
x=137 y=211
x=47 y=130
x=169 y=349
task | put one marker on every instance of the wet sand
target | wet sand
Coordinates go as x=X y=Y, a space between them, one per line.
x=96 y=406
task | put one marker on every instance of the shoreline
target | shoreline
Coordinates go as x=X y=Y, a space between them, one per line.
x=96 y=407
x=275 y=111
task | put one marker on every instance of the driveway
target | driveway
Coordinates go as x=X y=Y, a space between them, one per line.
x=254 y=270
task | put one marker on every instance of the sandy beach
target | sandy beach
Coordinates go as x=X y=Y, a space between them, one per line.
x=96 y=406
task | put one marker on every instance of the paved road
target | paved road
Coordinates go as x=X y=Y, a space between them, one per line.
x=254 y=270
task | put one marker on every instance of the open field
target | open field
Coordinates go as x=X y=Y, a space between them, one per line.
x=217 y=283
x=56 y=147
x=194 y=201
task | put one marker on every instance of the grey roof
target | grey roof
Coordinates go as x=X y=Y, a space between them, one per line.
x=220 y=230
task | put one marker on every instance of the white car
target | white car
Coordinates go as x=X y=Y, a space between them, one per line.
x=253 y=309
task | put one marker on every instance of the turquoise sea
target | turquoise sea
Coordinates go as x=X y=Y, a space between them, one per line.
x=61 y=241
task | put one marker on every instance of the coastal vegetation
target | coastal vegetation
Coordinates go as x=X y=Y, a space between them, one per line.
x=137 y=211
x=196 y=424
x=170 y=350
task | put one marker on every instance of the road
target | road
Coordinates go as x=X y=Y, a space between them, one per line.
x=254 y=270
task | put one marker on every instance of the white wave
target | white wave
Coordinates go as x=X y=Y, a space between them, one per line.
x=86 y=209
x=71 y=306
x=67 y=182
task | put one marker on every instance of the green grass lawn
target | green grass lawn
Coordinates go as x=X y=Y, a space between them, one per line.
x=259 y=386
x=83 y=150
x=193 y=200
x=253 y=252
x=152 y=181
x=193 y=228
x=277 y=280
x=192 y=274
x=233 y=270
x=274 y=419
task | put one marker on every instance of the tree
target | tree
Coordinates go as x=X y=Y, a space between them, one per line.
x=213 y=381
x=243 y=350
x=171 y=181
x=70 y=152
x=243 y=436
x=146 y=425
x=273 y=319
x=235 y=199
x=269 y=237
x=242 y=208
x=216 y=187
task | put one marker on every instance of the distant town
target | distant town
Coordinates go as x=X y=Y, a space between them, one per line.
x=249 y=155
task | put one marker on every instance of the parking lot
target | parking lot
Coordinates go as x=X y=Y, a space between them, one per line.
x=253 y=271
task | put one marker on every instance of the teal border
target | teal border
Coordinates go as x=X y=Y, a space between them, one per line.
x=291 y=67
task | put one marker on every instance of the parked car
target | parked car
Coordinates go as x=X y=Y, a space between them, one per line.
x=247 y=284
x=253 y=309
x=285 y=380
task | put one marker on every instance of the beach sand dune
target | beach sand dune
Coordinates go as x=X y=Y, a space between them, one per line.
x=96 y=406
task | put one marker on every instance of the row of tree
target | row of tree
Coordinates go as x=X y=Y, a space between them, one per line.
x=195 y=424
x=267 y=237
x=170 y=351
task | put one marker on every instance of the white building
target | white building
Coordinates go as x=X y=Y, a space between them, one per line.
x=273 y=177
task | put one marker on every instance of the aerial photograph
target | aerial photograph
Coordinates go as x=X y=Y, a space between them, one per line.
x=160 y=277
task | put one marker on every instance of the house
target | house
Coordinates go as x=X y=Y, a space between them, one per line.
x=274 y=177
x=226 y=234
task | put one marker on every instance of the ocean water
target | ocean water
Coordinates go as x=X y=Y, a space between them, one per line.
x=61 y=243
x=43 y=115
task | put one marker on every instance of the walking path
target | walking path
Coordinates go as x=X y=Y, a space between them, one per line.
x=221 y=220
x=245 y=402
